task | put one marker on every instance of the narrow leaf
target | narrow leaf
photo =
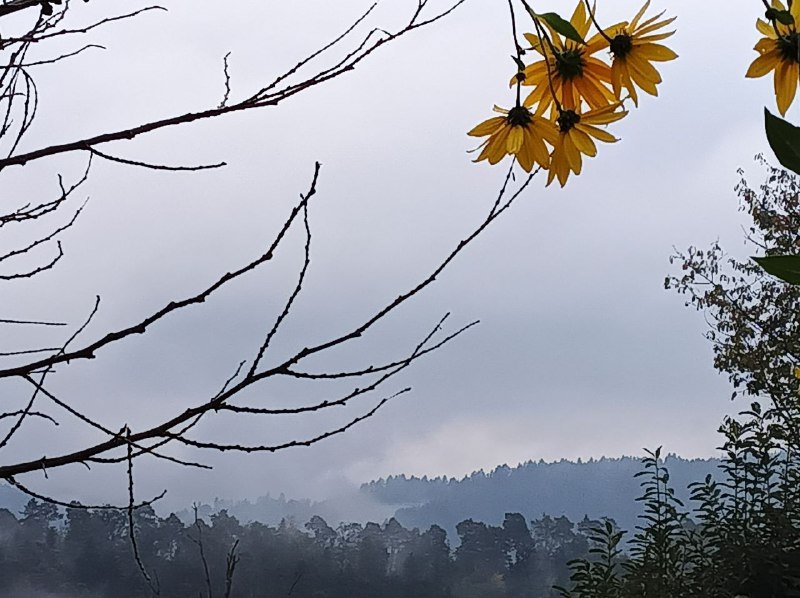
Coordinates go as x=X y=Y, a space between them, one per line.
x=784 y=139
x=785 y=267
x=562 y=26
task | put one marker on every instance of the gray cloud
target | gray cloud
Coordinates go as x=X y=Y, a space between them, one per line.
x=579 y=353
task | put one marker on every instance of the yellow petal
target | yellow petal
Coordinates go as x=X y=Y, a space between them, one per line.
x=571 y=153
x=558 y=166
x=765 y=29
x=643 y=66
x=597 y=42
x=582 y=26
x=604 y=116
x=524 y=155
x=597 y=133
x=763 y=64
x=578 y=15
x=655 y=52
x=596 y=70
x=569 y=98
x=643 y=39
x=583 y=142
x=514 y=141
x=616 y=78
x=487 y=127
x=551 y=174
x=765 y=45
x=786 y=75
x=595 y=93
x=546 y=130
x=534 y=41
x=643 y=74
x=538 y=150
x=642 y=10
x=644 y=30
x=628 y=82
x=495 y=150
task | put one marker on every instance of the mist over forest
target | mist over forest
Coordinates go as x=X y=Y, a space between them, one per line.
x=506 y=533
x=595 y=488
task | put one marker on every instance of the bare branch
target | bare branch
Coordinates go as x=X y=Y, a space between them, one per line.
x=141 y=450
x=231 y=560
x=298 y=287
x=199 y=543
x=28 y=212
x=38 y=269
x=259 y=100
x=151 y=166
x=292 y=443
x=28 y=351
x=373 y=369
x=153 y=584
x=44 y=239
x=226 y=74
x=40 y=385
x=165 y=430
x=79 y=505
x=139 y=328
x=29 y=414
x=87 y=29
x=33 y=323
x=62 y=56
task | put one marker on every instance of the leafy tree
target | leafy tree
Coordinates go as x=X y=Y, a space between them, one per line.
x=753 y=316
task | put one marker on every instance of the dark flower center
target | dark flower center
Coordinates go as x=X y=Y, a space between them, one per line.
x=789 y=47
x=567 y=119
x=621 y=45
x=519 y=116
x=569 y=64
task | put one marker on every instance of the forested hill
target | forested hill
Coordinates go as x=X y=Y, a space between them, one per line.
x=597 y=488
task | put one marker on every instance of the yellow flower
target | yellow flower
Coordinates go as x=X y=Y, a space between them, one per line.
x=779 y=51
x=633 y=50
x=575 y=138
x=517 y=133
x=576 y=74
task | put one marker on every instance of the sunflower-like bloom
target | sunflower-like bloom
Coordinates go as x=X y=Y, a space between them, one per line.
x=517 y=133
x=576 y=74
x=575 y=138
x=633 y=49
x=779 y=50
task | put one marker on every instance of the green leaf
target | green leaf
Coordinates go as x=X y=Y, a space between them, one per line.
x=784 y=139
x=785 y=267
x=562 y=26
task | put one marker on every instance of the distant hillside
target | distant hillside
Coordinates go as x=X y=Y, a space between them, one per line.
x=597 y=488
x=594 y=488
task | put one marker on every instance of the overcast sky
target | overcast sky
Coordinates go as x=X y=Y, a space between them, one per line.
x=580 y=351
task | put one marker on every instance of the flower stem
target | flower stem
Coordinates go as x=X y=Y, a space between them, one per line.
x=520 y=73
x=596 y=25
x=542 y=35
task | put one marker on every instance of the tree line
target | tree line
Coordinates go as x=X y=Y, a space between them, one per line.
x=86 y=552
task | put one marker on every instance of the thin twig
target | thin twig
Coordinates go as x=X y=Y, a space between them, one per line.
x=132 y=525
x=152 y=166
